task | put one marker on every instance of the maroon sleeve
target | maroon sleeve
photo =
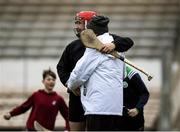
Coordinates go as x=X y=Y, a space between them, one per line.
x=64 y=112
x=23 y=107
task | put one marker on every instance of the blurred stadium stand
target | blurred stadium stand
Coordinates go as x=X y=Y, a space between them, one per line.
x=42 y=28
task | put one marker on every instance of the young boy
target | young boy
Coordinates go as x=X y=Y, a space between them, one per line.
x=45 y=104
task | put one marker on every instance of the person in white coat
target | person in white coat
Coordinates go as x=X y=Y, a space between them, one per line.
x=100 y=79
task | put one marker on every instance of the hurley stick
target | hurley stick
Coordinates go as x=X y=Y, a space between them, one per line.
x=90 y=40
x=39 y=127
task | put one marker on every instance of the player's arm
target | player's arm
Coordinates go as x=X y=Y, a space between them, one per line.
x=83 y=69
x=120 y=44
x=64 y=112
x=21 y=108
x=141 y=90
x=62 y=67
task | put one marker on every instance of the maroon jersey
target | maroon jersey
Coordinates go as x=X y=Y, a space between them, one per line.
x=45 y=107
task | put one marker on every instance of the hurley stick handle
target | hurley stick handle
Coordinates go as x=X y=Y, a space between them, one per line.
x=115 y=54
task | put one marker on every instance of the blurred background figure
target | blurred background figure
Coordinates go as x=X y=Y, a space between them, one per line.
x=34 y=34
x=44 y=104
x=135 y=97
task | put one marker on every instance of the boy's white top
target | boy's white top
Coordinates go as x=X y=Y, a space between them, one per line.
x=100 y=77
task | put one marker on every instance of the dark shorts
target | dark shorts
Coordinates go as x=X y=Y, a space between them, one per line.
x=133 y=123
x=104 y=123
x=76 y=111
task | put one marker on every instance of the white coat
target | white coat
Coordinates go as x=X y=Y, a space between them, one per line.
x=100 y=77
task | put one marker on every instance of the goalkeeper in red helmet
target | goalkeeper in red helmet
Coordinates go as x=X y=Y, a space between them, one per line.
x=72 y=53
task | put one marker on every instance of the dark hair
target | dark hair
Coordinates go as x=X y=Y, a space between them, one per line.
x=48 y=72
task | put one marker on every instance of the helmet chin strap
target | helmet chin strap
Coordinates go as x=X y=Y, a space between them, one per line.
x=85 y=24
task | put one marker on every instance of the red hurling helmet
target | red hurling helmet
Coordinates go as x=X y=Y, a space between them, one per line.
x=85 y=15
